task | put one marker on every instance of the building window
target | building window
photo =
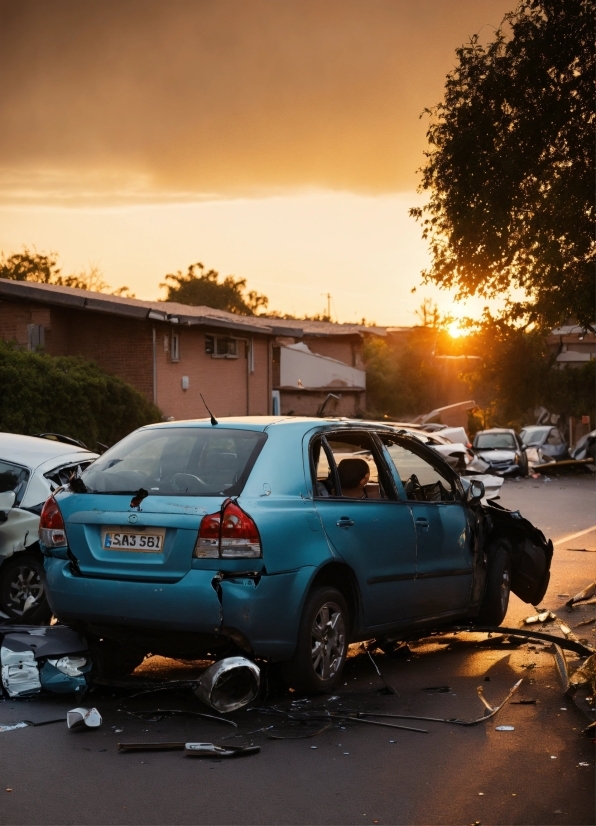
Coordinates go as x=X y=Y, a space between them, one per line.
x=221 y=347
x=175 y=347
x=36 y=336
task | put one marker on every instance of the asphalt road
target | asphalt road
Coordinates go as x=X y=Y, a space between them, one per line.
x=359 y=775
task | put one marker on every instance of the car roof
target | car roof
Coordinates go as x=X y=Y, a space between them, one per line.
x=266 y=422
x=538 y=427
x=33 y=451
x=497 y=430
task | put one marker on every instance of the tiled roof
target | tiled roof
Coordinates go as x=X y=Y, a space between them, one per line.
x=173 y=312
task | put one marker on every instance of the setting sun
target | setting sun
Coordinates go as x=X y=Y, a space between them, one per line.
x=456 y=330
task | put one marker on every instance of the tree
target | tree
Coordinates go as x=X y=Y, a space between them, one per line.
x=199 y=288
x=42 y=268
x=69 y=395
x=510 y=169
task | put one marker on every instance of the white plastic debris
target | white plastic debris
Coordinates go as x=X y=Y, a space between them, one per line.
x=80 y=718
x=504 y=728
x=20 y=673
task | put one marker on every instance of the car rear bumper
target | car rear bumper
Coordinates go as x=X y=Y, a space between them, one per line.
x=265 y=610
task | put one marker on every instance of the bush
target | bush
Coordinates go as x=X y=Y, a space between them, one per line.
x=67 y=395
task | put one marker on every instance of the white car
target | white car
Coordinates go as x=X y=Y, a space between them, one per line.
x=30 y=468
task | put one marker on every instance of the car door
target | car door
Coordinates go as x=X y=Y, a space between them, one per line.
x=374 y=532
x=444 y=561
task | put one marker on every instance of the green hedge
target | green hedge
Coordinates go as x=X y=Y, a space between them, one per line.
x=68 y=395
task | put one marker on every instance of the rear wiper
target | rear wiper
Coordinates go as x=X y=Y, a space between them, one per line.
x=136 y=500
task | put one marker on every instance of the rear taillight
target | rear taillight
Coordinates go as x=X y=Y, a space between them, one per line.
x=229 y=533
x=51 y=525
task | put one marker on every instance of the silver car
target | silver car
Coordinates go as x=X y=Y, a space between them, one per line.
x=502 y=450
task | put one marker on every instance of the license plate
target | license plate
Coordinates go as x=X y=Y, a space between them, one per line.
x=145 y=542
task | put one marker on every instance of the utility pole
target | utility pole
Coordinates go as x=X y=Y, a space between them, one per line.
x=328 y=297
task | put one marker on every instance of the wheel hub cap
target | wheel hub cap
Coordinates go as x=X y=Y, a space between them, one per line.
x=328 y=641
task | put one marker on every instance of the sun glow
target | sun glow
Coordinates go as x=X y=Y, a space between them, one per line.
x=456 y=330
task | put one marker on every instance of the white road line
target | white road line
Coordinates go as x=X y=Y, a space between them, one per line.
x=574 y=535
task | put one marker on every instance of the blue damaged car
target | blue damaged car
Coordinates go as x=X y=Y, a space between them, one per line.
x=286 y=538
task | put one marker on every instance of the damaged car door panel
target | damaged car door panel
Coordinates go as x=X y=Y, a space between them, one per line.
x=284 y=538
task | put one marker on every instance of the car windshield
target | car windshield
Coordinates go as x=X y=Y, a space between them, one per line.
x=495 y=441
x=534 y=435
x=183 y=461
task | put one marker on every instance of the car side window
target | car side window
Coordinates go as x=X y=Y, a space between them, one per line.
x=554 y=437
x=14 y=478
x=347 y=465
x=422 y=482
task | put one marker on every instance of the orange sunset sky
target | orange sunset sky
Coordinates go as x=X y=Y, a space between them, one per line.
x=276 y=140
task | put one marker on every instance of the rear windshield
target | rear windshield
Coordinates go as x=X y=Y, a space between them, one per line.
x=485 y=441
x=184 y=461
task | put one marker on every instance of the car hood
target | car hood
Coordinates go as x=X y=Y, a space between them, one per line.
x=495 y=456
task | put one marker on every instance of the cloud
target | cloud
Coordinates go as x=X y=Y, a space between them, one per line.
x=144 y=99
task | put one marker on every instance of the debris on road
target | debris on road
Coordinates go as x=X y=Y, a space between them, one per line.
x=589 y=591
x=229 y=684
x=543 y=616
x=53 y=657
x=192 y=749
x=82 y=718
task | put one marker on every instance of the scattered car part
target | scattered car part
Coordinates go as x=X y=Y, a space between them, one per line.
x=229 y=684
x=53 y=657
x=491 y=709
x=210 y=750
x=543 y=616
x=561 y=667
x=82 y=718
x=587 y=593
x=387 y=689
x=193 y=749
x=160 y=713
x=573 y=645
x=387 y=725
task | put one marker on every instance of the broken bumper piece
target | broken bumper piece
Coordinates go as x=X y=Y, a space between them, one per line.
x=53 y=658
x=229 y=684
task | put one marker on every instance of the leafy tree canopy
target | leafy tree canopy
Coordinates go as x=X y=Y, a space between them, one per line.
x=199 y=288
x=69 y=395
x=43 y=268
x=510 y=169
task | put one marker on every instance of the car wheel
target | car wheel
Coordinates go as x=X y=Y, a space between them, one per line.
x=22 y=586
x=322 y=644
x=498 y=585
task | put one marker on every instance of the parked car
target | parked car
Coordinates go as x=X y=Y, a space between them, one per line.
x=547 y=442
x=286 y=538
x=502 y=450
x=29 y=467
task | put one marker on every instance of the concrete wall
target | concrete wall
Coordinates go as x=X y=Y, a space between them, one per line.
x=301 y=368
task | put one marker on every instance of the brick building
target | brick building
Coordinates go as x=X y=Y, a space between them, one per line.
x=173 y=352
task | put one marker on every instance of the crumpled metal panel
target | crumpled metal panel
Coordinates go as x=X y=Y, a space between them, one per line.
x=229 y=684
x=20 y=673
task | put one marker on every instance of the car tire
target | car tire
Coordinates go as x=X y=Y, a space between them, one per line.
x=498 y=585
x=21 y=576
x=322 y=645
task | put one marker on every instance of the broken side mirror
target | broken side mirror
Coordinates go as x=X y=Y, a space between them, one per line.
x=475 y=491
x=7 y=500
